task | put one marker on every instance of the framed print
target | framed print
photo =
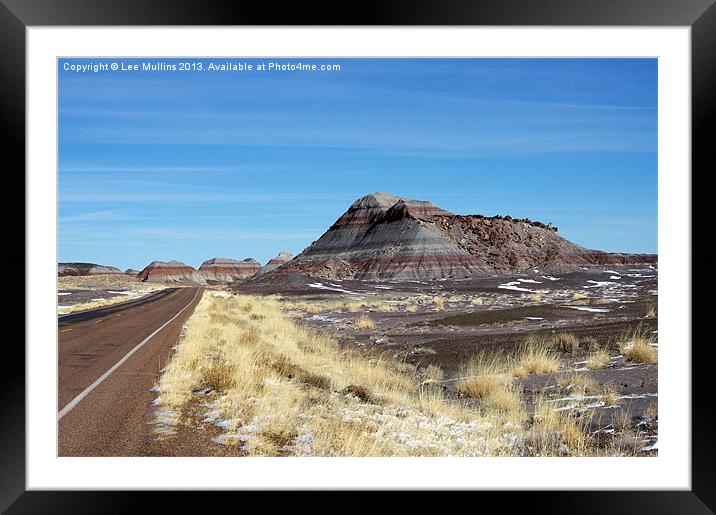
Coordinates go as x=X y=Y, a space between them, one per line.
x=437 y=249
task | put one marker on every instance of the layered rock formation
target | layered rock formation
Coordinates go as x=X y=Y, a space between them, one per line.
x=131 y=271
x=228 y=270
x=85 y=269
x=383 y=236
x=170 y=272
x=280 y=259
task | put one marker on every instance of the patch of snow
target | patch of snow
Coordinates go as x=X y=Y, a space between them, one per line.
x=324 y=318
x=599 y=284
x=651 y=447
x=321 y=286
x=64 y=293
x=514 y=286
x=529 y=281
x=585 y=308
x=534 y=318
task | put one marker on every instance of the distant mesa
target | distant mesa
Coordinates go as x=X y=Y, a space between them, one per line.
x=131 y=271
x=171 y=272
x=384 y=236
x=281 y=259
x=228 y=270
x=64 y=269
x=215 y=270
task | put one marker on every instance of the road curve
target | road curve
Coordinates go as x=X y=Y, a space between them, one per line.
x=108 y=360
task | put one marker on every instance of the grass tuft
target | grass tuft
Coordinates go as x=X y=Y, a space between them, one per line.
x=598 y=359
x=364 y=322
x=566 y=342
x=637 y=347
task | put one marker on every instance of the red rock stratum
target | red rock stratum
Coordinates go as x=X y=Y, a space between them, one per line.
x=228 y=270
x=170 y=272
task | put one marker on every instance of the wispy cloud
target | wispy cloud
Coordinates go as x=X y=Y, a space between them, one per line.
x=192 y=198
x=93 y=216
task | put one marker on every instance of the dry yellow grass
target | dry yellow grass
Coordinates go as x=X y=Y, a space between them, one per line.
x=534 y=359
x=439 y=303
x=364 y=322
x=651 y=311
x=609 y=393
x=535 y=297
x=639 y=346
x=280 y=388
x=411 y=308
x=102 y=282
x=639 y=351
x=99 y=303
x=488 y=379
x=652 y=410
x=578 y=383
x=477 y=301
x=313 y=309
x=119 y=282
x=432 y=374
x=317 y=306
x=578 y=296
x=560 y=432
x=566 y=342
x=598 y=359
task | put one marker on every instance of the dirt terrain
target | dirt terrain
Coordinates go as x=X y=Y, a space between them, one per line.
x=444 y=323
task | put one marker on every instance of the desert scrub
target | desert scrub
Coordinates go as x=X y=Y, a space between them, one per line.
x=566 y=342
x=488 y=378
x=439 y=303
x=534 y=359
x=639 y=346
x=535 y=297
x=609 y=394
x=559 y=433
x=639 y=351
x=364 y=322
x=280 y=388
x=105 y=282
x=277 y=387
x=589 y=343
x=431 y=374
x=598 y=359
x=109 y=301
x=578 y=383
x=314 y=309
x=477 y=301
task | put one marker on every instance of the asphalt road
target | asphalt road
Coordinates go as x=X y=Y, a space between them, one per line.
x=108 y=361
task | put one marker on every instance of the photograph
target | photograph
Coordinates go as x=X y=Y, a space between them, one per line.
x=357 y=257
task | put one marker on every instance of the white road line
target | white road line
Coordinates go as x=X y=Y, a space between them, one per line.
x=64 y=411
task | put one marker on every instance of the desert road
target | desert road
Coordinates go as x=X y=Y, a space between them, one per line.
x=108 y=361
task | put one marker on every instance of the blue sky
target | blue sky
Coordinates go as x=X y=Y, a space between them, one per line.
x=195 y=165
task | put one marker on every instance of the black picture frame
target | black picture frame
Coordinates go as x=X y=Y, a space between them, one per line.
x=699 y=15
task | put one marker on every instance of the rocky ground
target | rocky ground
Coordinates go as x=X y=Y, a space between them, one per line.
x=443 y=323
